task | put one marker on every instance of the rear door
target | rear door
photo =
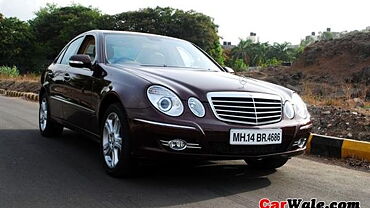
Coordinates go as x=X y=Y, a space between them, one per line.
x=55 y=81
x=78 y=82
x=56 y=76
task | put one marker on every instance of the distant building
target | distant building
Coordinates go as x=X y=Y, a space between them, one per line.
x=227 y=45
x=313 y=37
x=327 y=34
x=293 y=46
x=253 y=37
x=334 y=34
x=367 y=28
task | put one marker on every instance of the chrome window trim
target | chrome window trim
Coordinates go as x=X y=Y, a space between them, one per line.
x=67 y=47
x=252 y=95
x=70 y=103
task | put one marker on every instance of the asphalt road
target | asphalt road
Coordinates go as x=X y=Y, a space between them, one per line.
x=66 y=172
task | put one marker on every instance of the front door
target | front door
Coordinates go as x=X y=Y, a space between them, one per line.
x=78 y=83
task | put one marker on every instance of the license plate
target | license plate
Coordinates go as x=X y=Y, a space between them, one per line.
x=255 y=136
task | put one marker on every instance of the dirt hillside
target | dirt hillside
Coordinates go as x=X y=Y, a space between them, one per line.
x=338 y=68
x=342 y=59
x=333 y=77
x=20 y=85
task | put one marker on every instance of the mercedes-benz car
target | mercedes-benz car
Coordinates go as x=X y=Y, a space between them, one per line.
x=149 y=96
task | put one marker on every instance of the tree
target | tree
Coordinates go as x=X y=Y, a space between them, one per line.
x=253 y=54
x=33 y=45
x=261 y=54
x=55 y=26
x=326 y=36
x=283 y=52
x=189 y=25
x=242 y=51
x=16 y=43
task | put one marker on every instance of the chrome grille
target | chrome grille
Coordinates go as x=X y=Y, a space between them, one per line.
x=246 y=108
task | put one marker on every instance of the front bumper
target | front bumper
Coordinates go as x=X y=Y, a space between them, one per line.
x=212 y=136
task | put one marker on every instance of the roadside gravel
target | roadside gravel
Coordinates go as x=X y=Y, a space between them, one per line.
x=345 y=123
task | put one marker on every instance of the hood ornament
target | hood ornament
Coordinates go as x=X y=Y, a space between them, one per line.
x=243 y=81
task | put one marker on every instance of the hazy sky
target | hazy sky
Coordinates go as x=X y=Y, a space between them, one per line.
x=272 y=20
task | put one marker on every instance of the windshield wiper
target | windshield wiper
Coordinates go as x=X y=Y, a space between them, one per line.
x=154 y=65
x=164 y=65
x=188 y=67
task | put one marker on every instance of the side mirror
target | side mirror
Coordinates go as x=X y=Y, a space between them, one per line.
x=229 y=70
x=80 y=61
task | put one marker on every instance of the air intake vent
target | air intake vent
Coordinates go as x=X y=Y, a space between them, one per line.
x=246 y=108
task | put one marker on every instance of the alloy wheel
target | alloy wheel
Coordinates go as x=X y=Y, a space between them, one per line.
x=112 y=140
x=43 y=114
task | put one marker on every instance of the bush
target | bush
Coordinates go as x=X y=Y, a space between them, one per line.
x=272 y=63
x=9 y=71
x=239 y=65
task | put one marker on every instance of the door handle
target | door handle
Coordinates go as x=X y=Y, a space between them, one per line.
x=50 y=74
x=67 y=77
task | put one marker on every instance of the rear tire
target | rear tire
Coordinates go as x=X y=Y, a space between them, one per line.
x=115 y=142
x=267 y=163
x=48 y=127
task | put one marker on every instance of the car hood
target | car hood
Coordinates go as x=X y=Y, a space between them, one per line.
x=186 y=82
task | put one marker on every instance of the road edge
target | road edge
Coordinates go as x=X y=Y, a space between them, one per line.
x=25 y=95
x=336 y=147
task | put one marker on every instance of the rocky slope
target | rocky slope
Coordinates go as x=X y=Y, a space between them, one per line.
x=345 y=123
x=334 y=77
x=21 y=86
x=341 y=59
x=338 y=68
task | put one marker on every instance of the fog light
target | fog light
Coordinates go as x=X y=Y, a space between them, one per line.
x=301 y=142
x=177 y=144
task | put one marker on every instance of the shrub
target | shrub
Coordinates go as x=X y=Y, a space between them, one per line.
x=9 y=71
x=239 y=65
x=272 y=63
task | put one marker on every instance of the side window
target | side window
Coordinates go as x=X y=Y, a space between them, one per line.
x=88 y=47
x=71 y=50
x=59 y=59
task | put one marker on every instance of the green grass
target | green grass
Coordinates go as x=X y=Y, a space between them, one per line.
x=9 y=71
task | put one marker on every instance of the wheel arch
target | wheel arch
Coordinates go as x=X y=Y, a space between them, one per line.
x=108 y=99
x=41 y=93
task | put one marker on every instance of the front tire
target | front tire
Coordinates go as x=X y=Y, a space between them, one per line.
x=115 y=142
x=267 y=163
x=48 y=127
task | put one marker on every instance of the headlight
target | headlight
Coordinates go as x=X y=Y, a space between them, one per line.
x=288 y=110
x=299 y=106
x=165 y=100
x=165 y=104
x=196 y=107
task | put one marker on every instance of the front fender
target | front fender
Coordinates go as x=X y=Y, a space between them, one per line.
x=128 y=87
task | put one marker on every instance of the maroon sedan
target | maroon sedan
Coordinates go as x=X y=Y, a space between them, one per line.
x=150 y=96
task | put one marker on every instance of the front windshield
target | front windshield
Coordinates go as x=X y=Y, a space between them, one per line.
x=155 y=51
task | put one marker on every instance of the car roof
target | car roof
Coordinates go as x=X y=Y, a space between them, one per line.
x=132 y=33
